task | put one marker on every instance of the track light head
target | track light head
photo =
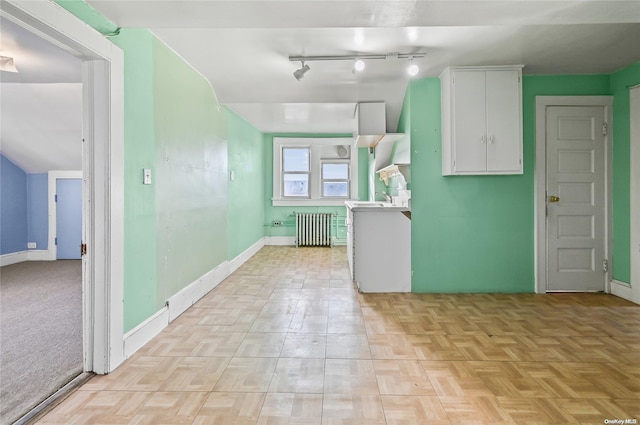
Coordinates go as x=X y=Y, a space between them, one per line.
x=413 y=68
x=299 y=73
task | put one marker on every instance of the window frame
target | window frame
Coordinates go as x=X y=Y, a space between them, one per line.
x=316 y=160
x=347 y=180
x=307 y=173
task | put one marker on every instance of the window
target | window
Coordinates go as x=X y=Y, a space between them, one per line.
x=335 y=180
x=314 y=171
x=295 y=172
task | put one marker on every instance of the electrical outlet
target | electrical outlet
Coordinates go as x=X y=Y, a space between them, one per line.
x=32 y=245
x=277 y=223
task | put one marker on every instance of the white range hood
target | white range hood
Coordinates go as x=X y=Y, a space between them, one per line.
x=371 y=125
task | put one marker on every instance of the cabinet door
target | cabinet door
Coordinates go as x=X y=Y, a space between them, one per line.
x=504 y=134
x=469 y=123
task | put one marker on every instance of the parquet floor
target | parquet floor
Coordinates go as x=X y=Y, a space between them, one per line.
x=287 y=340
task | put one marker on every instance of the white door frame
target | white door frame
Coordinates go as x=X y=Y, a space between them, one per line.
x=540 y=181
x=632 y=291
x=103 y=168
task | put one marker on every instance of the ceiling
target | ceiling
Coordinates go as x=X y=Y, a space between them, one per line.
x=242 y=47
x=41 y=105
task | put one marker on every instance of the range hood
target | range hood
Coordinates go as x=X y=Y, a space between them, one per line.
x=371 y=124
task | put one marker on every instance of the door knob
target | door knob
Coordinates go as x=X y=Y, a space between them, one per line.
x=554 y=199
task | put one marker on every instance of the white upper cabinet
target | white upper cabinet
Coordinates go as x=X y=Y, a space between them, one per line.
x=482 y=120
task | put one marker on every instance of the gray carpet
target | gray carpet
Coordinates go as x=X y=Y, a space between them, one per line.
x=40 y=332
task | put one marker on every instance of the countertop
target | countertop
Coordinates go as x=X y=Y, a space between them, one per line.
x=375 y=206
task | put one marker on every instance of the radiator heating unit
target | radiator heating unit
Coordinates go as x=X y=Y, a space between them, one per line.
x=313 y=229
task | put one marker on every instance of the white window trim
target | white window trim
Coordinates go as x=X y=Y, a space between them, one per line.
x=347 y=180
x=315 y=178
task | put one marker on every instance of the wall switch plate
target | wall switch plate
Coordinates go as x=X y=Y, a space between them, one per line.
x=32 y=245
x=147 y=176
x=232 y=175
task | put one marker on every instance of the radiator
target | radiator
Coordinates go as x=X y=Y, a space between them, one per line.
x=313 y=229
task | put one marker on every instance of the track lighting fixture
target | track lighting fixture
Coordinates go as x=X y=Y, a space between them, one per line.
x=412 y=69
x=299 y=73
x=359 y=59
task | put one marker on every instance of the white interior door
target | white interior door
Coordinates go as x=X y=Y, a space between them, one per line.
x=575 y=176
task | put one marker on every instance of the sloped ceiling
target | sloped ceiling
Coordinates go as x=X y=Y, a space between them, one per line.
x=41 y=105
x=42 y=126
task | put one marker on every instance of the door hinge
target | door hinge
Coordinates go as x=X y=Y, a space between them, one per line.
x=83 y=249
x=605 y=266
x=56 y=197
x=605 y=129
x=55 y=241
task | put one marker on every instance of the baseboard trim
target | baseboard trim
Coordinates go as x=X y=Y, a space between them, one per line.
x=13 y=258
x=248 y=253
x=137 y=337
x=38 y=255
x=183 y=299
x=622 y=290
x=189 y=295
x=280 y=240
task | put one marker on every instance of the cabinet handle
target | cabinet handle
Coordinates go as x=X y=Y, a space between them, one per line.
x=491 y=139
x=482 y=139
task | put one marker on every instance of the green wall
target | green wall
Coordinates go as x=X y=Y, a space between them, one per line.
x=476 y=233
x=246 y=193
x=620 y=82
x=469 y=233
x=177 y=229
x=191 y=177
x=285 y=214
x=140 y=221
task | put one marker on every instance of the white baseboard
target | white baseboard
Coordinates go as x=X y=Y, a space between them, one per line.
x=185 y=298
x=280 y=240
x=13 y=258
x=137 y=337
x=38 y=255
x=248 y=253
x=622 y=290
x=182 y=300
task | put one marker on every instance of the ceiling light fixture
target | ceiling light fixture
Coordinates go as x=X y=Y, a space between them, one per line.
x=6 y=64
x=359 y=61
x=412 y=69
x=299 y=73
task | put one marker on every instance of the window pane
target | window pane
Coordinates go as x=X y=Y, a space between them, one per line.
x=335 y=189
x=335 y=171
x=295 y=159
x=296 y=185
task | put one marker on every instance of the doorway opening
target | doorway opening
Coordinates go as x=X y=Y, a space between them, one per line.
x=103 y=173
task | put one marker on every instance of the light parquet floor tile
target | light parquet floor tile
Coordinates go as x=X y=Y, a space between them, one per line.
x=288 y=340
